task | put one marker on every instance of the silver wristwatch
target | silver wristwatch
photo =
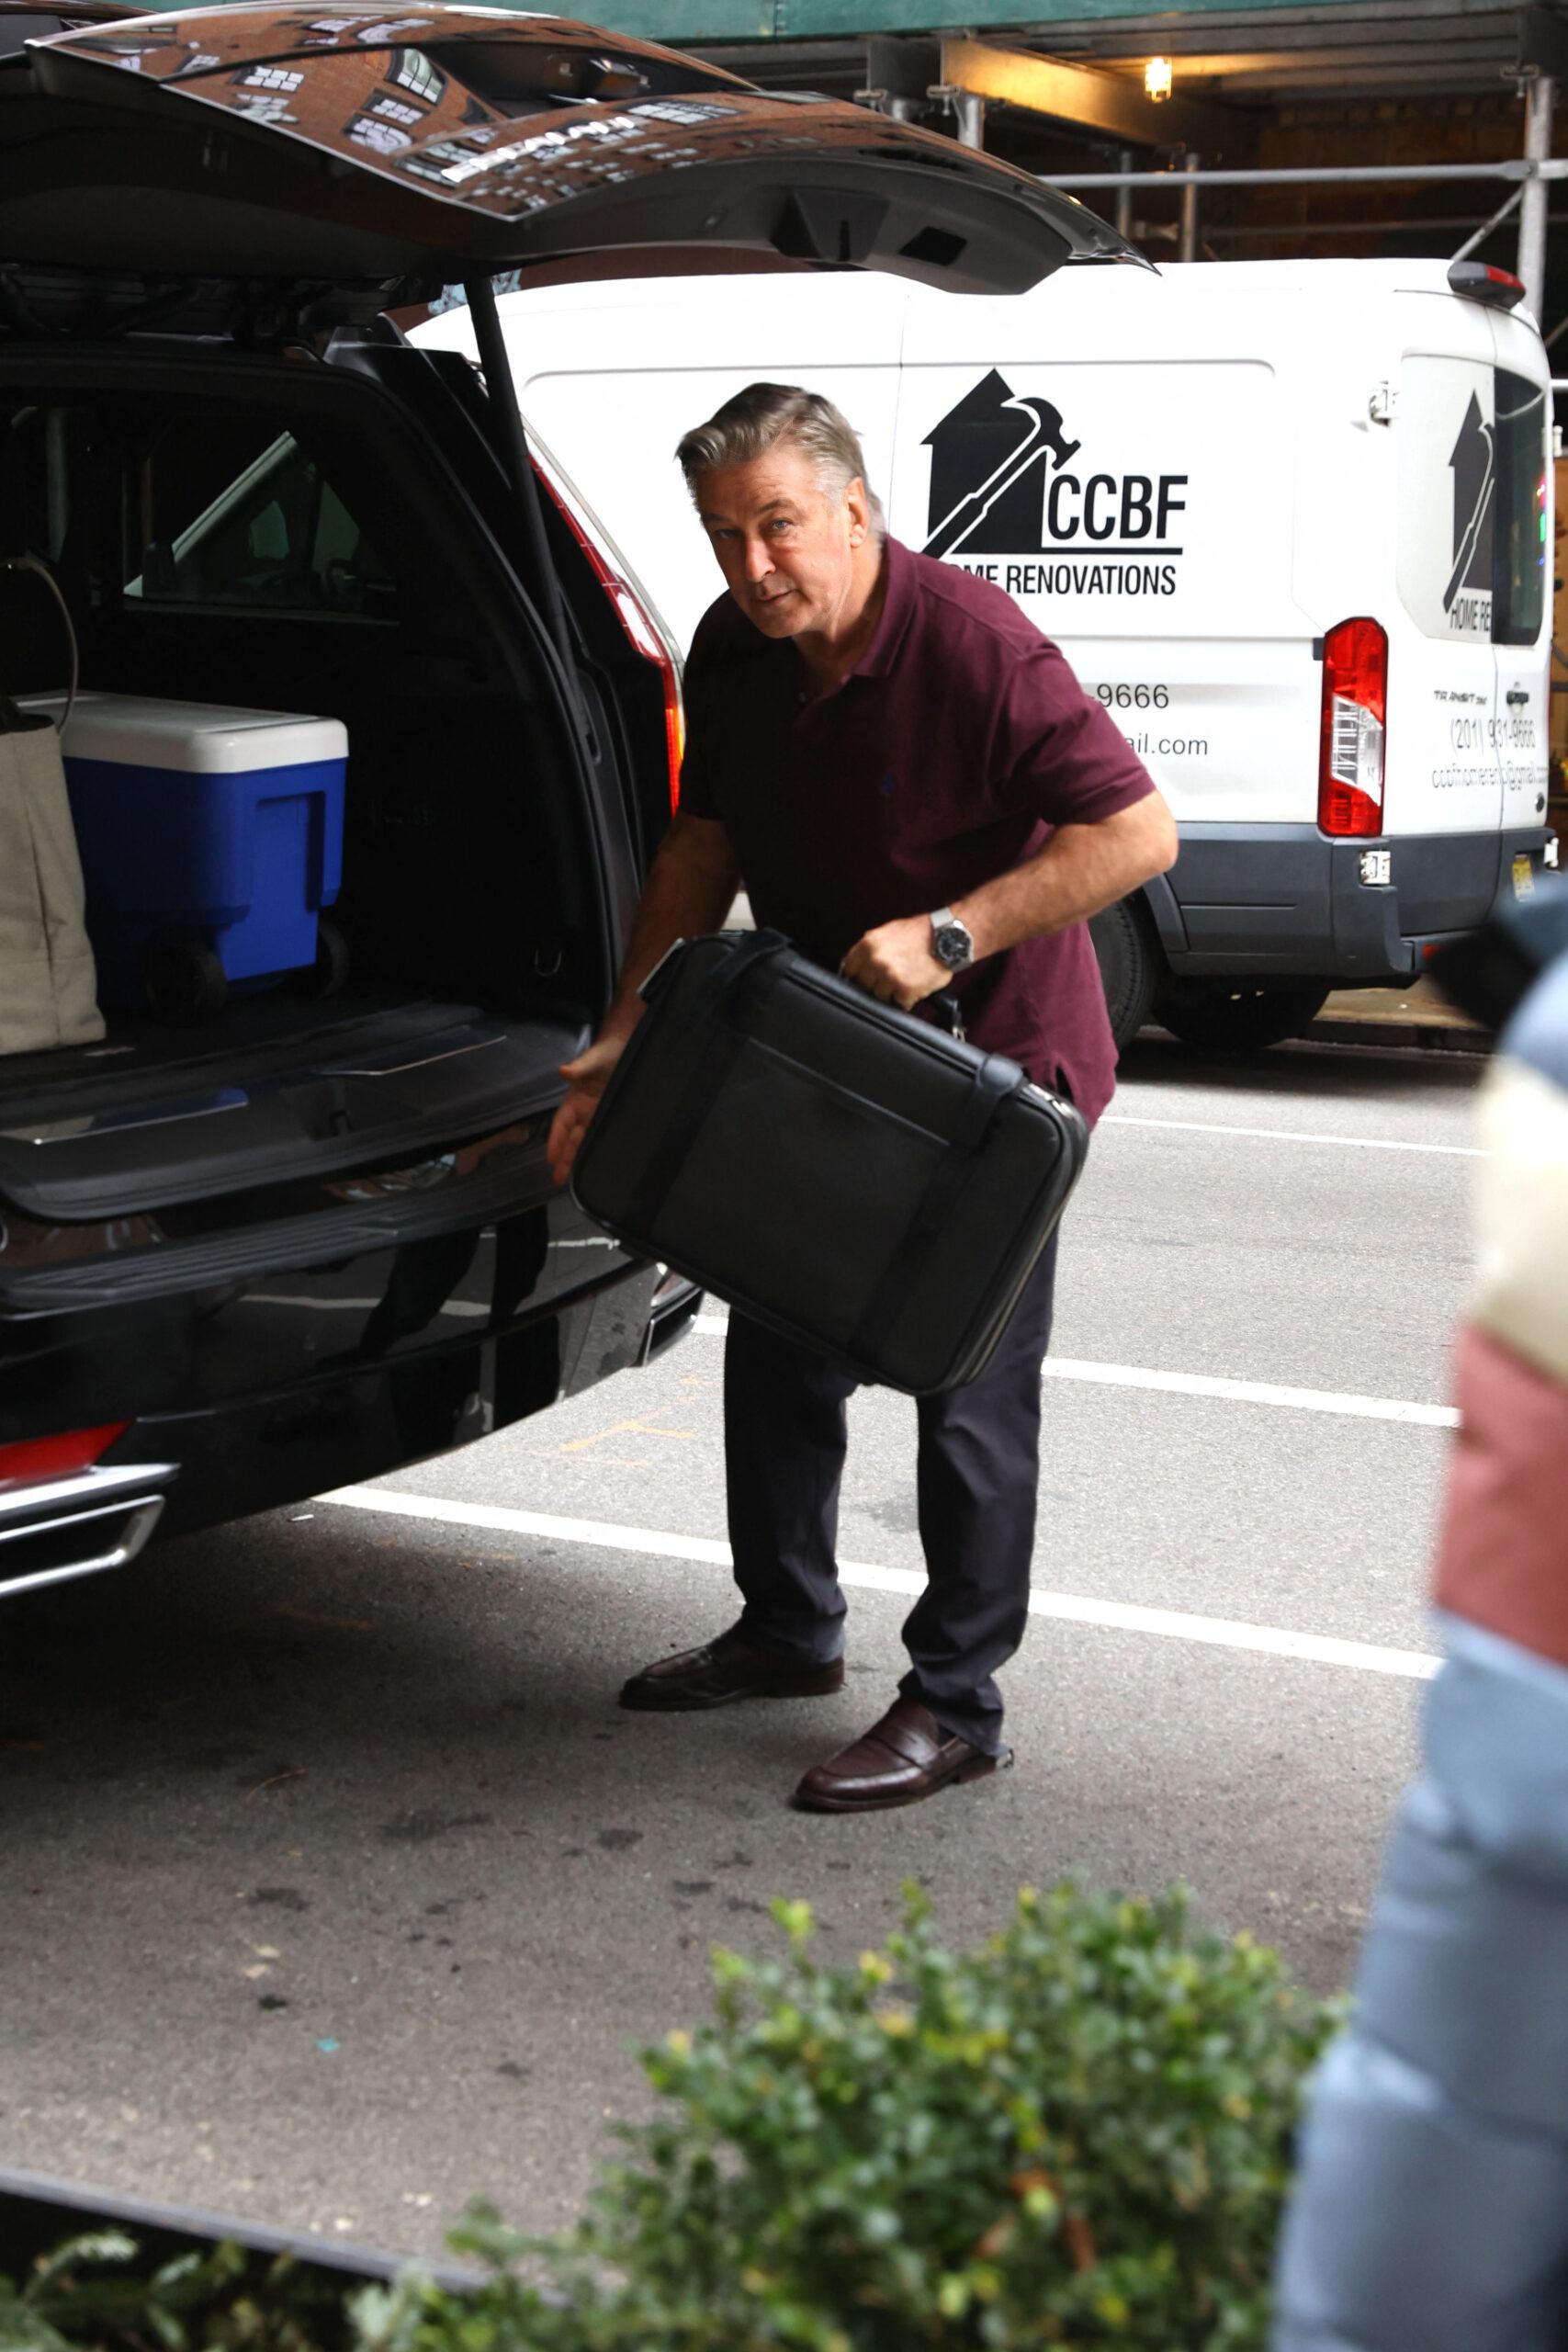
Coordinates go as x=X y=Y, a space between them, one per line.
x=951 y=942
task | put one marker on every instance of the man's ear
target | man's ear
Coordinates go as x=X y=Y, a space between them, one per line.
x=859 y=507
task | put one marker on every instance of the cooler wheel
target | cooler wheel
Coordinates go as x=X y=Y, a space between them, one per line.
x=182 y=981
x=327 y=975
x=331 y=958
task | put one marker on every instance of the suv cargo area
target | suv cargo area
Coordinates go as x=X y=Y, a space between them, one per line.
x=272 y=545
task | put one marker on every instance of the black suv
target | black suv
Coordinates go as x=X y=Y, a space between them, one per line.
x=310 y=1235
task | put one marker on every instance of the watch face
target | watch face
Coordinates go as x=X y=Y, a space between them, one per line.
x=952 y=945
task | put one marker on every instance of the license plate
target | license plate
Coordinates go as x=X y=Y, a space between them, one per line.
x=1524 y=877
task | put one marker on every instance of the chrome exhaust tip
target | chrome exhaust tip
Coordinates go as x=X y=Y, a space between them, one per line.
x=76 y=1527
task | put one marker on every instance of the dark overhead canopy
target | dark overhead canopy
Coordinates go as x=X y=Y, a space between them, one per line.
x=1264 y=54
x=341 y=143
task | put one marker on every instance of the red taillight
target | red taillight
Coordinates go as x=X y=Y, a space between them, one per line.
x=1350 y=754
x=638 y=625
x=33 y=1459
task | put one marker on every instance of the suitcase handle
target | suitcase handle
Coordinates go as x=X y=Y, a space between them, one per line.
x=752 y=947
x=946 y=1013
x=743 y=949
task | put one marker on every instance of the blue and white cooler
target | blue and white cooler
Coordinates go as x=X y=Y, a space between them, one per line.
x=209 y=834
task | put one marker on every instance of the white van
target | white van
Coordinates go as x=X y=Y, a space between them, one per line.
x=1289 y=521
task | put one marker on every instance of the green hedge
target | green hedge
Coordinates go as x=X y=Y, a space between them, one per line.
x=1077 y=2135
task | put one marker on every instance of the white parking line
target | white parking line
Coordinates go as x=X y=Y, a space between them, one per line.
x=1200 y=1383
x=1254 y=1392
x=1290 y=1134
x=1171 y=1625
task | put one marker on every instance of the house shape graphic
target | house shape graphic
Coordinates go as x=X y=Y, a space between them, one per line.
x=972 y=440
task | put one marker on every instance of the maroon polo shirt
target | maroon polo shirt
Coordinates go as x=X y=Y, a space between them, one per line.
x=945 y=758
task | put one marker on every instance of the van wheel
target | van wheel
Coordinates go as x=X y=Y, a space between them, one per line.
x=1239 y=1016
x=182 y=981
x=1131 y=964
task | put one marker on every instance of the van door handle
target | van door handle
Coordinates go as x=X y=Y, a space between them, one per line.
x=1518 y=694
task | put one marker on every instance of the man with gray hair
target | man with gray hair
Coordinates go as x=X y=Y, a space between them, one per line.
x=912 y=786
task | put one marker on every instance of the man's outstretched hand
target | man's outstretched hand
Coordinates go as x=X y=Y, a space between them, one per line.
x=894 y=962
x=586 y=1080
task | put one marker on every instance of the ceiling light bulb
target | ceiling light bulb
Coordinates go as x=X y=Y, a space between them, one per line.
x=1157 y=78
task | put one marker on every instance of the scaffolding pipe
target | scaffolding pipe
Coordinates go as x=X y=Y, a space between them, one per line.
x=970 y=108
x=1494 y=221
x=1514 y=168
x=1417 y=225
x=1188 y=249
x=1539 y=94
x=1123 y=200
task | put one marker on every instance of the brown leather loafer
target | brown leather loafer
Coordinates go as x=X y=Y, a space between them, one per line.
x=721 y=1671
x=904 y=1757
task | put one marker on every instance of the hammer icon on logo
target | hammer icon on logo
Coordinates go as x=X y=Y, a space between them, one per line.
x=1045 y=435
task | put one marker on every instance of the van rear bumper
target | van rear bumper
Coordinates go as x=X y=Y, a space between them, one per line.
x=1263 y=898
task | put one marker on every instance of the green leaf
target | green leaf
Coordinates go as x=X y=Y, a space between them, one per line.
x=22 y=2329
x=91 y=2250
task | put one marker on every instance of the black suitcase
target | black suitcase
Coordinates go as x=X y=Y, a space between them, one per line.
x=840 y=1171
x=837 y=1169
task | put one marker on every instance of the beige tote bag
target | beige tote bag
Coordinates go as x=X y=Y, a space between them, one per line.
x=47 y=983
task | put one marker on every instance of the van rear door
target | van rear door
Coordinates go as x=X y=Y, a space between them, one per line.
x=1467 y=681
x=1521 y=604
x=1442 y=778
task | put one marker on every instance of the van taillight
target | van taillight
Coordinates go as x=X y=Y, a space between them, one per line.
x=1351 y=757
x=34 y=1459
x=638 y=625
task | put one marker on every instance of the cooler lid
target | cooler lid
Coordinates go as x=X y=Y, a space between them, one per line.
x=190 y=738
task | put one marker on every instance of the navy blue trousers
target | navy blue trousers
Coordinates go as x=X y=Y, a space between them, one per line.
x=976 y=1484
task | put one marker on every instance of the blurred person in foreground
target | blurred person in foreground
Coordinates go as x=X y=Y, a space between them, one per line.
x=1431 y=2211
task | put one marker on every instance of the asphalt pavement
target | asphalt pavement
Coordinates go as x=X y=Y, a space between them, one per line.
x=335 y=1889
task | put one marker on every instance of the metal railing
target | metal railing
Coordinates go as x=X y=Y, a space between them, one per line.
x=1529 y=175
x=1512 y=167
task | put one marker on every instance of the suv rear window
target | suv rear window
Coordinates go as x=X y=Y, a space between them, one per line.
x=190 y=505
